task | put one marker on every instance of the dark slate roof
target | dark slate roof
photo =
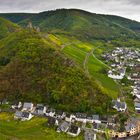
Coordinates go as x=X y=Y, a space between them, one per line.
x=27 y=105
x=25 y=114
x=59 y=112
x=40 y=107
x=89 y=116
x=51 y=121
x=137 y=105
x=64 y=126
x=18 y=114
x=133 y=122
x=104 y=118
x=68 y=115
x=81 y=115
x=119 y=104
x=129 y=127
x=96 y=117
x=137 y=100
x=73 y=129
x=95 y=125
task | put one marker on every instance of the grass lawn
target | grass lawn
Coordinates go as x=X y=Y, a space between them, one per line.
x=78 y=53
x=34 y=129
x=75 y=54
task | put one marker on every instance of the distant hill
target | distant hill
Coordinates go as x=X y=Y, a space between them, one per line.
x=80 y=23
x=7 y=27
x=130 y=24
x=16 y=17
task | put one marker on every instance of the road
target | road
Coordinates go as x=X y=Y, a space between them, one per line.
x=86 y=61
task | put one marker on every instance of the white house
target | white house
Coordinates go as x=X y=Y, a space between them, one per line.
x=137 y=105
x=119 y=106
x=81 y=117
x=96 y=119
x=60 y=114
x=117 y=77
x=69 y=117
x=63 y=127
x=17 y=105
x=27 y=107
x=23 y=115
x=18 y=115
x=138 y=96
x=26 y=116
x=50 y=113
x=40 y=109
x=52 y=122
x=74 y=130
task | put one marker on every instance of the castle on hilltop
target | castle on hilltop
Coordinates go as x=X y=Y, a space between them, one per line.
x=30 y=26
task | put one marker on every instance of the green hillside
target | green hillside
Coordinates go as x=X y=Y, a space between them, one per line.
x=7 y=27
x=77 y=80
x=16 y=17
x=32 y=70
x=34 y=129
x=80 y=23
x=130 y=24
x=78 y=51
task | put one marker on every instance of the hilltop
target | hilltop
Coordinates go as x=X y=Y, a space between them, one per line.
x=32 y=70
x=62 y=64
x=7 y=27
x=83 y=24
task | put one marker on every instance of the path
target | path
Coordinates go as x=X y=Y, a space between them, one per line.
x=64 y=45
x=101 y=61
x=86 y=61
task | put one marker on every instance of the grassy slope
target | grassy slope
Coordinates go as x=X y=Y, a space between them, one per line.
x=30 y=130
x=6 y=27
x=78 y=53
x=80 y=23
x=40 y=73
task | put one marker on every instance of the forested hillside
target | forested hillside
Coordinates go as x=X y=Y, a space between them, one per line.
x=31 y=70
x=82 y=24
x=7 y=27
x=61 y=64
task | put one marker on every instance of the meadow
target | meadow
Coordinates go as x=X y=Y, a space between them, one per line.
x=97 y=69
x=34 y=129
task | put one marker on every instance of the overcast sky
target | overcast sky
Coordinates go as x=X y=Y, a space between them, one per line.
x=125 y=8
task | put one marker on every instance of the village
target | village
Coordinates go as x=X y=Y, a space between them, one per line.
x=124 y=62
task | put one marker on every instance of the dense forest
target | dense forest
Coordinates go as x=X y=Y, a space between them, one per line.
x=79 y=23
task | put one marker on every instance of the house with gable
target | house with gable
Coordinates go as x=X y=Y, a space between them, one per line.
x=27 y=107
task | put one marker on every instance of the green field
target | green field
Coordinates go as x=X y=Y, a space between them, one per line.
x=30 y=130
x=78 y=52
x=95 y=68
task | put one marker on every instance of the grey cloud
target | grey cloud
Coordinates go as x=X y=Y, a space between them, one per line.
x=133 y=2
